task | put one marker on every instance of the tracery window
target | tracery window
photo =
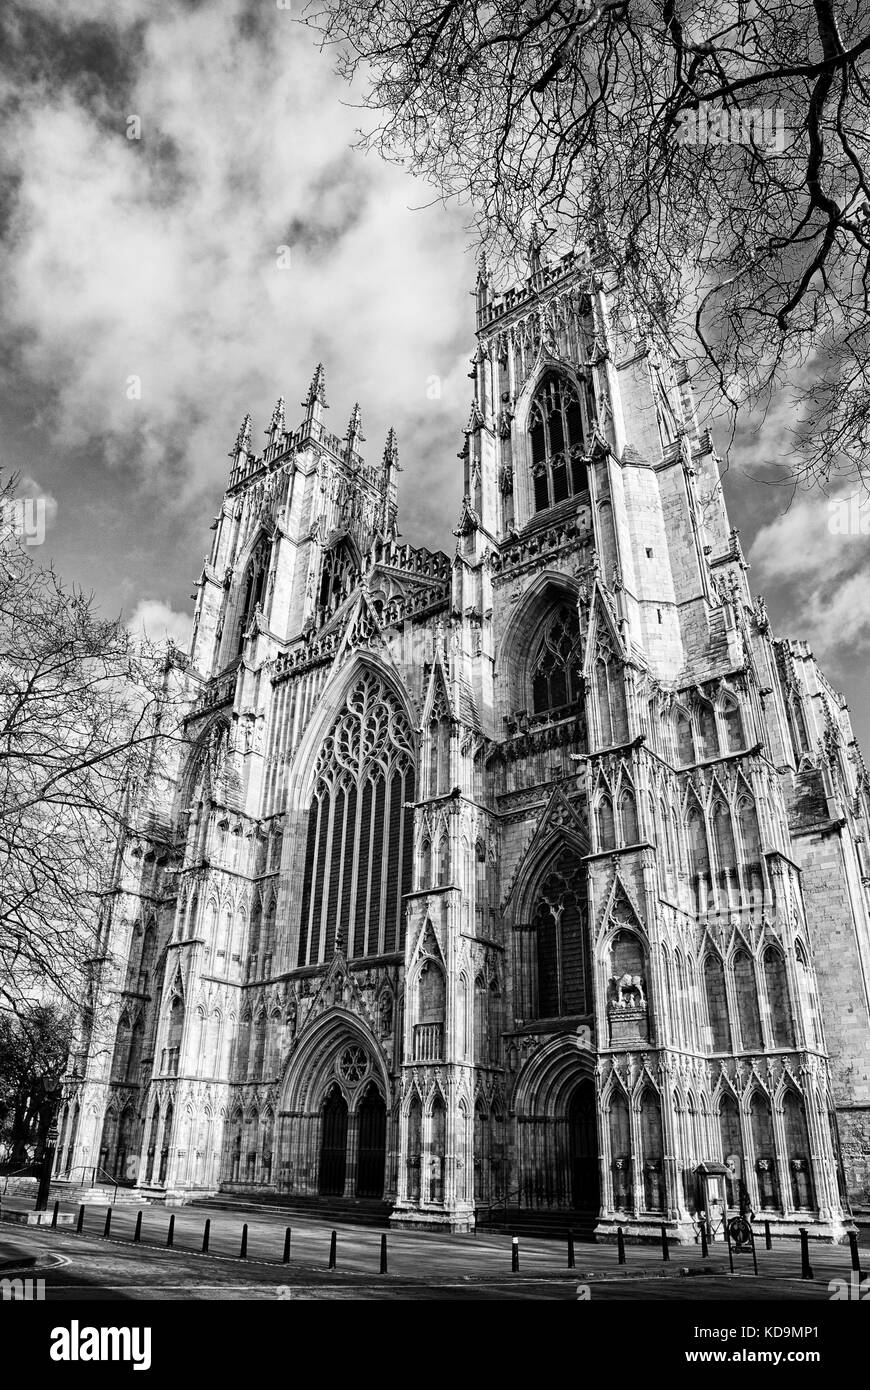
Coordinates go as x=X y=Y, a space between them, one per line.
x=556 y=673
x=556 y=440
x=253 y=589
x=337 y=576
x=609 y=692
x=360 y=834
x=564 y=982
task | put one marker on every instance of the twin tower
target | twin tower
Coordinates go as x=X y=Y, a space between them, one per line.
x=532 y=877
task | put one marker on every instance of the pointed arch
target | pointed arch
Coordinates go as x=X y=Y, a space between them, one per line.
x=250 y=589
x=750 y=837
x=684 y=738
x=746 y=990
x=732 y=723
x=696 y=832
x=628 y=818
x=556 y=674
x=778 y=997
x=764 y=1144
x=797 y=1145
x=652 y=1150
x=359 y=843
x=339 y=571
x=557 y=441
x=523 y=642
x=717 y=1003
x=723 y=835
x=619 y=1127
x=708 y=734
x=559 y=916
x=604 y=822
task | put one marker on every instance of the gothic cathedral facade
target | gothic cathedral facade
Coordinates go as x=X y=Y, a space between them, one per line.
x=535 y=877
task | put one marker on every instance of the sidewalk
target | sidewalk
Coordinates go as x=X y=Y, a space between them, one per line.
x=411 y=1253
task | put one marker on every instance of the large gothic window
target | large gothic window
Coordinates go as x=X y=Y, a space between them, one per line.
x=556 y=672
x=358 y=852
x=556 y=440
x=253 y=590
x=564 y=983
x=337 y=576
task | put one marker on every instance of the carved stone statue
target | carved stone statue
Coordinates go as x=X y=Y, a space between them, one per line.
x=628 y=991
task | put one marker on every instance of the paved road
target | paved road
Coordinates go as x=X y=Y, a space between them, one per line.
x=421 y=1265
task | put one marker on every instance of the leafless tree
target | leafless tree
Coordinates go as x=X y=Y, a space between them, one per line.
x=83 y=714
x=710 y=153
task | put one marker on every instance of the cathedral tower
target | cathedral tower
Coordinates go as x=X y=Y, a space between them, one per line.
x=530 y=879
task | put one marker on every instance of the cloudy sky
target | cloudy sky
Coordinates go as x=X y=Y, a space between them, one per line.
x=147 y=303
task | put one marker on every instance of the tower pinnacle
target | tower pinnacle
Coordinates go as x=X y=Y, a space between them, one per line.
x=354 y=429
x=316 y=398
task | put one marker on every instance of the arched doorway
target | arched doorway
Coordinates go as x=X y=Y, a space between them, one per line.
x=372 y=1144
x=333 y=1143
x=583 y=1140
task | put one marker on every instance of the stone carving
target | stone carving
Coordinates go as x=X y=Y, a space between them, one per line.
x=628 y=991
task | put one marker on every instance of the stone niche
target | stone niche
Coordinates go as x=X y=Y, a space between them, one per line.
x=627 y=1012
x=628 y=1025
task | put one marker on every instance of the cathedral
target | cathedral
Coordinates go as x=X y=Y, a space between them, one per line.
x=529 y=879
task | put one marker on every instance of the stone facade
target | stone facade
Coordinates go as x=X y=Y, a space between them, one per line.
x=532 y=877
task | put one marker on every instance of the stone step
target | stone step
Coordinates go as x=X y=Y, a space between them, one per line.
x=530 y=1221
x=350 y=1213
x=101 y=1196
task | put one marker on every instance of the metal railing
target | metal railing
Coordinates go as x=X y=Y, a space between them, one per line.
x=93 y=1170
x=32 y=1170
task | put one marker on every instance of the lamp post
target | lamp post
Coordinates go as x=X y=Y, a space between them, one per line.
x=51 y=1088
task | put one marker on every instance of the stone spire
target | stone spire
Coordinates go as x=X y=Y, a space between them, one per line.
x=483 y=287
x=315 y=401
x=354 y=434
x=241 y=450
x=276 y=424
x=391 y=466
x=243 y=439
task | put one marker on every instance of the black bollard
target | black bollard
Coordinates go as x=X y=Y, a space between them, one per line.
x=206 y=1234
x=332 y=1250
x=853 y=1251
x=806 y=1267
x=383 y=1254
x=54 y=1211
x=704 y=1248
x=620 y=1246
x=571 y=1264
x=666 y=1254
x=108 y=1226
x=243 y=1248
x=515 y=1255
x=286 y=1257
x=81 y=1221
x=768 y=1243
x=170 y=1234
x=137 y=1234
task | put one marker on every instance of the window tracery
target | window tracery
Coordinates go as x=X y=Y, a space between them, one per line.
x=360 y=840
x=556 y=438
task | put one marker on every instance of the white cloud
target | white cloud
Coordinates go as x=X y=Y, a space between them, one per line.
x=157 y=621
x=801 y=543
x=141 y=276
x=817 y=570
x=28 y=487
